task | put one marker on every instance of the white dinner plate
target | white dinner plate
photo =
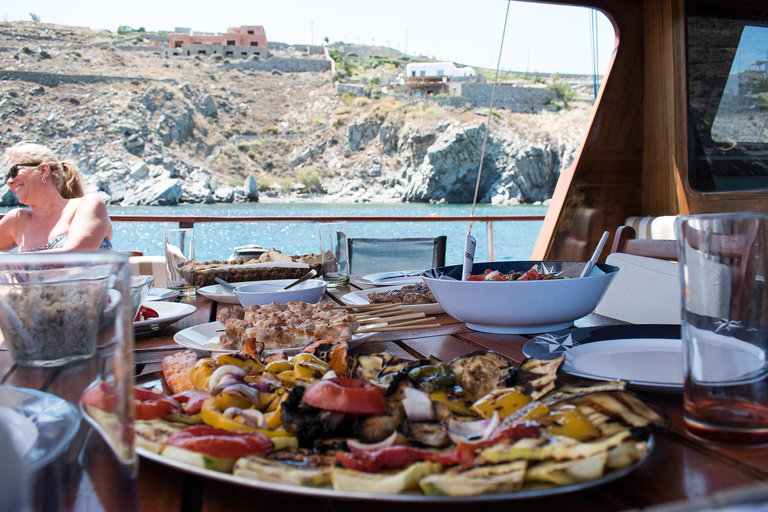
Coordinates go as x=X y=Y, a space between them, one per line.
x=170 y=312
x=160 y=294
x=648 y=363
x=648 y=357
x=204 y=338
x=400 y=277
x=361 y=298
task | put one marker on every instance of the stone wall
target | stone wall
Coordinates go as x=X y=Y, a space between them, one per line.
x=302 y=48
x=54 y=79
x=283 y=65
x=516 y=99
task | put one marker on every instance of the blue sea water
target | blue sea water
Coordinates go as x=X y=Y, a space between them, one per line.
x=214 y=241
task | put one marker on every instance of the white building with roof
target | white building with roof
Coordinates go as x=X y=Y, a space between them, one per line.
x=427 y=69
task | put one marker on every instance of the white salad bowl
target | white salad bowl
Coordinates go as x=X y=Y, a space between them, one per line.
x=519 y=307
x=267 y=292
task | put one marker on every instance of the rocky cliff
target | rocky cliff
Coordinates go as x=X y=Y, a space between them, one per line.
x=147 y=129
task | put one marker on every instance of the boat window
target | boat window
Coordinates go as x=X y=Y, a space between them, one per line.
x=727 y=66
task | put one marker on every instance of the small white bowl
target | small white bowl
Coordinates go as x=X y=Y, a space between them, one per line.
x=267 y=292
x=518 y=307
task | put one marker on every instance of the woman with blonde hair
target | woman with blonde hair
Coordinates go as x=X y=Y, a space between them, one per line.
x=60 y=216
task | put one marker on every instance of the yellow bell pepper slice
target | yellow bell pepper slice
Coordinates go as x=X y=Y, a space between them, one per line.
x=277 y=367
x=571 y=422
x=504 y=401
x=455 y=402
x=214 y=416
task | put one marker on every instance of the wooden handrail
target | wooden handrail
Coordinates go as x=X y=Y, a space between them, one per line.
x=320 y=218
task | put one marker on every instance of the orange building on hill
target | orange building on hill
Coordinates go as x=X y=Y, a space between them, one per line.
x=243 y=42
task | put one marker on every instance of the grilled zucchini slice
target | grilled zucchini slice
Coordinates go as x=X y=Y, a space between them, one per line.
x=259 y=468
x=392 y=483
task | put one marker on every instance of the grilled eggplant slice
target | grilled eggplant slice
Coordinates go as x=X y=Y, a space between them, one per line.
x=537 y=377
x=496 y=479
x=555 y=447
x=480 y=372
x=261 y=468
x=152 y=435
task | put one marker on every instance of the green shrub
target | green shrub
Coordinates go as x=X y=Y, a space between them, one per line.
x=309 y=177
x=286 y=183
x=562 y=89
x=253 y=155
x=264 y=183
x=235 y=182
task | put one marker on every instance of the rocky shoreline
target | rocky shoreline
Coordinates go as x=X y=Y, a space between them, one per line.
x=199 y=131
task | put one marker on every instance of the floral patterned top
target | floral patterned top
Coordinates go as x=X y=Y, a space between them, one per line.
x=58 y=242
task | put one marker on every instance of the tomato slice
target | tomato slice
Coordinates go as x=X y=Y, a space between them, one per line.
x=101 y=396
x=145 y=313
x=397 y=457
x=217 y=442
x=150 y=405
x=531 y=275
x=345 y=395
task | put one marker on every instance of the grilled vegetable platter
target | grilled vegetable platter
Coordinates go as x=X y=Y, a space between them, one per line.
x=323 y=423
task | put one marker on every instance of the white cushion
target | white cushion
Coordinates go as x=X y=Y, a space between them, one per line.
x=150 y=266
x=644 y=291
x=660 y=228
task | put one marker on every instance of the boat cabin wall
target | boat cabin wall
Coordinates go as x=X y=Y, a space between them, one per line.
x=634 y=158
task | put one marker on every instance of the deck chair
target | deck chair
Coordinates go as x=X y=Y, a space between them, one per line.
x=368 y=255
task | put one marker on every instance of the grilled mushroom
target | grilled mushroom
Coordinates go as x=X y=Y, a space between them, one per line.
x=480 y=372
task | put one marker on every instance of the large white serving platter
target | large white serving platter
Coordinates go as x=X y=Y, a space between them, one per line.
x=329 y=493
x=360 y=298
x=170 y=312
x=203 y=339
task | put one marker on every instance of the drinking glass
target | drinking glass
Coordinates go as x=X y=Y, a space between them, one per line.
x=725 y=326
x=335 y=253
x=180 y=260
x=67 y=405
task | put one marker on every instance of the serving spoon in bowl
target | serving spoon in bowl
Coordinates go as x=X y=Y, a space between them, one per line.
x=308 y=275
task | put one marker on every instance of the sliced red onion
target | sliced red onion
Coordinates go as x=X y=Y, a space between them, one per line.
x=231 y=412
x=356 y=446
x=267 y=379
x=493 y=275
x=253 y=418
x=225 y=381
x=330 y=374
x=221 y=371
x=471 y=432
x=242 y=390
x=418 y=405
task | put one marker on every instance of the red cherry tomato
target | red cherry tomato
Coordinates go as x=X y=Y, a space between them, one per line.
x=217 y=442
x=345 y=395
x=150 y=405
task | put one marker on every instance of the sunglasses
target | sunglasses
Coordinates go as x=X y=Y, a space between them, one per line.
x=14 y=170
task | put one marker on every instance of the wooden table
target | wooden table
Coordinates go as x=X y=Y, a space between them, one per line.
x=680 y=469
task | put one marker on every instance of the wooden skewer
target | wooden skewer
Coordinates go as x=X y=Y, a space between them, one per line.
x=407 y=322
x=396 y=328
x=371 y=306
x=388 y=314
x=392 y=319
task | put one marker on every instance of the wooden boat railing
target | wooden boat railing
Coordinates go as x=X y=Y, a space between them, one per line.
x=189 y=221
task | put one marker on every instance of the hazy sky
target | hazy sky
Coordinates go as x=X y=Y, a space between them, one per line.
x=539 y=37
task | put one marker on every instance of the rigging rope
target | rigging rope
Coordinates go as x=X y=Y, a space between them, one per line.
x=490 y=114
